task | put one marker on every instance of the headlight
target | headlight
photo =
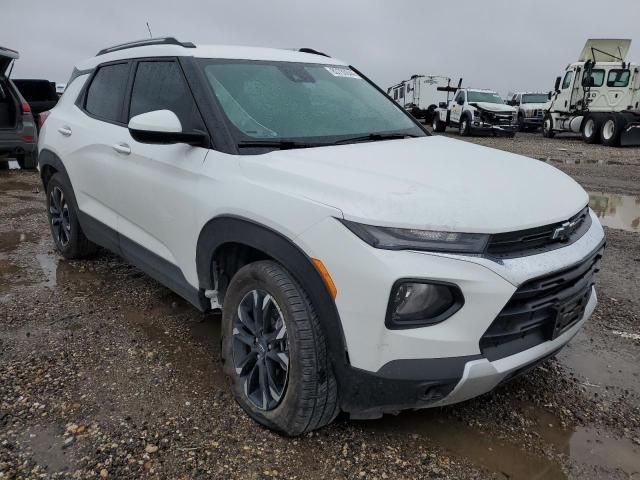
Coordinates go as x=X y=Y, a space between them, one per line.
x=419 y=303
x=390 y=238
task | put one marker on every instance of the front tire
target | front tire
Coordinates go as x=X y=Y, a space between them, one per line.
x=590 y=129
x=274 y=351
x=547 y=127
x=464 y=128
x=67 y=234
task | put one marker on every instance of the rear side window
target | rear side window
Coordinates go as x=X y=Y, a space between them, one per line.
x=160 y=85
x=105 y=95
x=618 y=78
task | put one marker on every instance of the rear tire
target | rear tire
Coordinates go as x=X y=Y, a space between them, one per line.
x=27 y=161
x=610 y=130
x=547 y=127
x=437 y=124
x=590 y=129
x=300 y=398
x=67 y=234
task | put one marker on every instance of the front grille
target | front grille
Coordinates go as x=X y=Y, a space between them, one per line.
x=541 y=309
x=496 y=118
x=540 y=239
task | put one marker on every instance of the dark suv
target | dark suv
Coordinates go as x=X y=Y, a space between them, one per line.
x=18 y=133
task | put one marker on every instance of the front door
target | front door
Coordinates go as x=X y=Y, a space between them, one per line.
x=457 y=106
x=157 y=183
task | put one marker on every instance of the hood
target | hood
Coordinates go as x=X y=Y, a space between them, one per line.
x=534 y=106
x=493 y=107
x=433 y=183
x=6 y=57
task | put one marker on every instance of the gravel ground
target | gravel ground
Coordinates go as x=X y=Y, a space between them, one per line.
x=106 y=374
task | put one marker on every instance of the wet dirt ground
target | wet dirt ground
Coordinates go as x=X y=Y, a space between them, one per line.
x=104 y=373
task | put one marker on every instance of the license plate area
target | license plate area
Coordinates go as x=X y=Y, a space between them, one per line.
x=569 y=312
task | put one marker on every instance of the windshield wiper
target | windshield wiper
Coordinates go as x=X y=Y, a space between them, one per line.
x=279 y=144
x=376 y=137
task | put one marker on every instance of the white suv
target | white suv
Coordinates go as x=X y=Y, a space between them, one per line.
x=361 y=264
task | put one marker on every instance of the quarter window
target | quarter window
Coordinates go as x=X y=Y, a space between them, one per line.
x=567 y=79
x=160 y=85
x=105 y=95
x=598 y=78
x=618 y=78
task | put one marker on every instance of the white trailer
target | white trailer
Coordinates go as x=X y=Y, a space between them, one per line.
x=598 y=96
x=420 y=95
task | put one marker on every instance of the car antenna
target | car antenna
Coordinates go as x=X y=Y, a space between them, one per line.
x=149 y=28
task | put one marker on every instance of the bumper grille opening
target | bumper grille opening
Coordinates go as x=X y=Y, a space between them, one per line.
x=540 y=239
x=541 y=309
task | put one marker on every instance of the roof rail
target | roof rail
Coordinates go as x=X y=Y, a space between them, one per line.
x=314 y=52
x=145 y=43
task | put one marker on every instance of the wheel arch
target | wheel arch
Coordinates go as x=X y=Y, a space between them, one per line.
x=235 y=241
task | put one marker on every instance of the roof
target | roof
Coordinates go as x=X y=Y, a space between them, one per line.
x=479 y=90
x=208 y=51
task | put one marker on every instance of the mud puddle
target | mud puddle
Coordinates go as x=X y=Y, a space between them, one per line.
x=583 y=446
x=10 y=241
x=617 y=211
x=604 y=368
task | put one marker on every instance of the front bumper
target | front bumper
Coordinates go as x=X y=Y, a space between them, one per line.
x=537 y=121
x=391 y=370
x=481 y=127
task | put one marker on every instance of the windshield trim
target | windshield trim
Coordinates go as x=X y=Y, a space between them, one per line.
x=237 y=136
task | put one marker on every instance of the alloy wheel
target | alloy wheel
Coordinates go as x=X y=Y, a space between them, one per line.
x=59 y=214
x=261 y=349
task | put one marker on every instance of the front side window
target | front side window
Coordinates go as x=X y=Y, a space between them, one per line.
x=535 y=98
x=488 y=97
x=566 y=83
x=105 y=95
x=294 y=101
x=160 y=85
x=597 y=75
x=618 y=77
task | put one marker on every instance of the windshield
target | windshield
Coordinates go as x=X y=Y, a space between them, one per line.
x=535 y=98
x=277 y=101
x=488 y=97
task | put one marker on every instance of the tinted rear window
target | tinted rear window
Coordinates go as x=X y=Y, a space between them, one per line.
x=106 y=92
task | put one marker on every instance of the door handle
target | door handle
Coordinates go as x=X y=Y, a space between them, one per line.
x=66 y=131
x=122 y=148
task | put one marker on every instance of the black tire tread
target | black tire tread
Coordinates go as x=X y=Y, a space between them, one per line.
x=80 y=247
x=318 y=401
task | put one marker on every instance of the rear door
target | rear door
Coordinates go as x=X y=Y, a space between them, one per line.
x=91 y=137
x=157 y=183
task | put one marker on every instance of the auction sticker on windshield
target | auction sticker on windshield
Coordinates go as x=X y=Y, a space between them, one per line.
x=342 y=72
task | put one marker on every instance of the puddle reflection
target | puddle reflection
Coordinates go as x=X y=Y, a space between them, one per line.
x=617 y=211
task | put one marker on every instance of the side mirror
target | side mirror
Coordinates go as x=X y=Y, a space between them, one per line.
x=549 y=95
x=557 y=85
x=442 y=105
x=163 y=127
x=461 y=101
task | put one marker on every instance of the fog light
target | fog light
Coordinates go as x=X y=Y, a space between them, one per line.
x=417 y=303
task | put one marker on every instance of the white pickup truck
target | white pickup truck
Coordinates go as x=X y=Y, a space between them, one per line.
x=475 y=111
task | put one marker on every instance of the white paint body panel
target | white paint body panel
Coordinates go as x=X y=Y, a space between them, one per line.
x=161 y=196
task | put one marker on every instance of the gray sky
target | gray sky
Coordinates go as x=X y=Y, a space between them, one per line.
x=506 y=45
